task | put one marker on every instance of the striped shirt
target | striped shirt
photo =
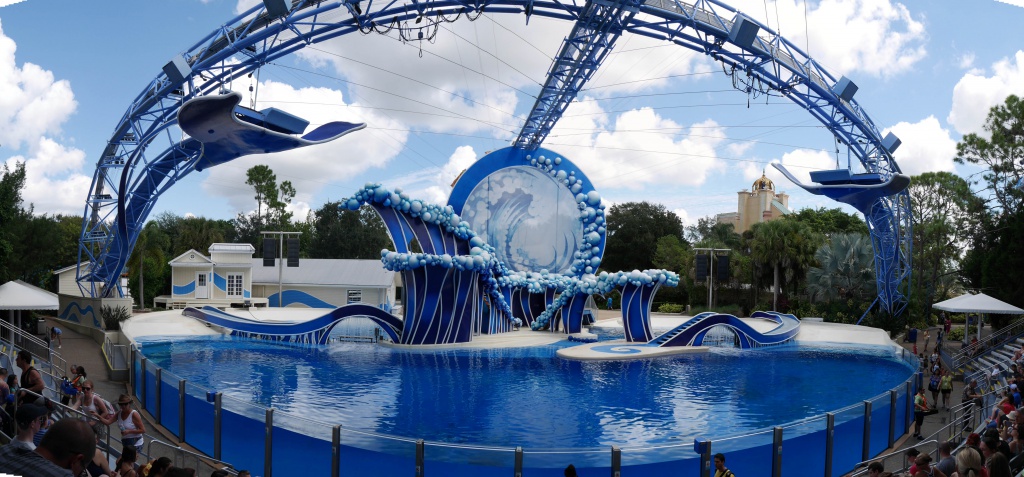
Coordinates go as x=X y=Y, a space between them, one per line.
x=17 y=460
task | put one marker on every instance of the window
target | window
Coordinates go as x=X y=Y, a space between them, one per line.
x=355 y=296
x=234 y=284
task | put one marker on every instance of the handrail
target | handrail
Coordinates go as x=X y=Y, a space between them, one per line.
x=180 y=453
x=862 y=467
x=1004 y=335
x=67 y=411
x=108 y=353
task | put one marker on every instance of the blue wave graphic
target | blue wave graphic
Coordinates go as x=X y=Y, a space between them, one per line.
x=301 y=298
x=79 y=314
x=220 y=282
x=185 y=289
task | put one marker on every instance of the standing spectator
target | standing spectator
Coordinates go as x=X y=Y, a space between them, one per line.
x=66 y=447
x=90 y=403
x=55 y=335
x=946 y=388
x=933 y=384
x=128 y=421
x=921 y=410
x=31 y=379
x=946 y=464
x=720 y=469
x=927 y=340
x=610 y=299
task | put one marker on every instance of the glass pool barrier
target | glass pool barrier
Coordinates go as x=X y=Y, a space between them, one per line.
x=250 y=436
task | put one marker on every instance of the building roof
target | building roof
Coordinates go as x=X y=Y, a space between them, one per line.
x=205 y=262
x=232 y=248
x=18 y=295
x=980 y=303
x=326 y=272
x=85 y=265
x=764 y=183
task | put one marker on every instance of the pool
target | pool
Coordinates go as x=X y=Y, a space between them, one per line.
x=528 y=397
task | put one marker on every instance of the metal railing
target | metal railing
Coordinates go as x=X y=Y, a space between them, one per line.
x=17 y=338
x=117 y=356
x=185 y=458
x=993 y=341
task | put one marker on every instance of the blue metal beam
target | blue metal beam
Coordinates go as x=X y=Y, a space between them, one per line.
x=593 y=36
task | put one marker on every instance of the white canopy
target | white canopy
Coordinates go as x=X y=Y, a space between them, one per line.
x=18 y=295
x=980 y=303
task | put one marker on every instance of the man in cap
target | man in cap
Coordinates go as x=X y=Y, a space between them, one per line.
x=29 y=419
x=70 y=445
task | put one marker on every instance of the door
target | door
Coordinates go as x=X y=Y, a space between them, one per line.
x=201 y=285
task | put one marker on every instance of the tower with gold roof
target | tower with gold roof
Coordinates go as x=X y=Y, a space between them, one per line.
x=760 y=204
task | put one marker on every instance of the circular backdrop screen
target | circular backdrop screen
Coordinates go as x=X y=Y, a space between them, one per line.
x=530 y=219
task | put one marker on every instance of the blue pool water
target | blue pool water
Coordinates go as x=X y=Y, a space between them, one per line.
x=529 y=397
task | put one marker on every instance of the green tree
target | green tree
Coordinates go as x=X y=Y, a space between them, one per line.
x=947 y=214
x=709 y=233
x=633 y=232
x=341 y=233
x=845 y=271
x=149 y=255
x=830 y=222
x=1002 y=153
x=787 y=248
x=11 y=183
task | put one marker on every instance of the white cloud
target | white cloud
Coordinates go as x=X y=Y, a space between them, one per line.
x=877 y=37
x=926 y=147
x=800 y=163
x=966 y=60
x=684 y=216
x=52 y=181
x=976 y=93
x=311 y=168
x=32 y=104
x=640 y=148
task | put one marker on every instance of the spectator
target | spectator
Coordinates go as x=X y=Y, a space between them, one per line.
x=998 y=466
x=179 y=472
x=55 y=336
x=968 y=463
x=927 y=340
x=219 y=473
x=1016 y=444
x=244 y=473
x=720 y=469
x=29 y=419
x=31 y=380
x=5 y=390
x=99 y=465
x=911 y=455
x=570 y=471
x=875 y=469
x=90 y=403
x=158 y=468
x=946 y=464
x=924 y=467
x=126 y=466
x=921 y=409
x=933 y=384
x=66 y=447
x=46 y=421
x=946 y=387
x=129 y=421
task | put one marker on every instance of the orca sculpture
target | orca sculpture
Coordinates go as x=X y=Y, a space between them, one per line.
x=229 y=131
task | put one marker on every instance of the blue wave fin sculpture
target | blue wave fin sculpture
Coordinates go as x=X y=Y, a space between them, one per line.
x=229 y=131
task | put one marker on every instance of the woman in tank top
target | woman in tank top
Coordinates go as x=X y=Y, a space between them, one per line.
x=90 y=403
x=129 y=421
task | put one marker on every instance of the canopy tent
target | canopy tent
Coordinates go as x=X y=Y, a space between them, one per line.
x=980 y=303
x=18 y=295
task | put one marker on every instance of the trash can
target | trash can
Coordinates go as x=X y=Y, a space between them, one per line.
x=41 y=327
x=912 y=335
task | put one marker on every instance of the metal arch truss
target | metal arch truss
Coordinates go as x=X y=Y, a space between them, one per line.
x=129 y=179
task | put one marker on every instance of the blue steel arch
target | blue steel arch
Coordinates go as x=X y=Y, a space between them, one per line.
x=129 y=178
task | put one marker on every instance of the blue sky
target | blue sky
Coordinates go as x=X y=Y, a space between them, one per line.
x=658 y=122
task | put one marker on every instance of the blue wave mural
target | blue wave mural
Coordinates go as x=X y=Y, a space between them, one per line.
x=185 y=289
x=301 y=298
x=76 y=314
x=220 y=282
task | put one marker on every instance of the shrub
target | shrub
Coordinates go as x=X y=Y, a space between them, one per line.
x=955 y=334
x=114 y=316
x=670 y=308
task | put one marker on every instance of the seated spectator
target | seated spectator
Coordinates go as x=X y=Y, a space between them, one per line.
x=5 y=390
x=29 y=419
x=99 y=465
x=126 y=466
x=924 y=467
x=998 y=466
x=66 y=447
x=157 y=468
x=875 y=469
x=969 y=463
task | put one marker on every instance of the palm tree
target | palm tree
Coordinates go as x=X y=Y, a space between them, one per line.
x=149 y=246
x=787 y=246
x=845 y=271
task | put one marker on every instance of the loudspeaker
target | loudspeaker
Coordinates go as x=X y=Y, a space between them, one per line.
x=743 y=32
x=269 y=252
x=177 y=70
x=723 y=268
x=845 y=89
x=293 y=251
x=277 y=8
x=891 y=143
x=702 y=267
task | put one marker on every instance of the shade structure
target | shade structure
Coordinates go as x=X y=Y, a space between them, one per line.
x=18 y=295
x=980 y=303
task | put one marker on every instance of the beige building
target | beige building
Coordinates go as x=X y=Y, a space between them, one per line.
x=760 y=204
